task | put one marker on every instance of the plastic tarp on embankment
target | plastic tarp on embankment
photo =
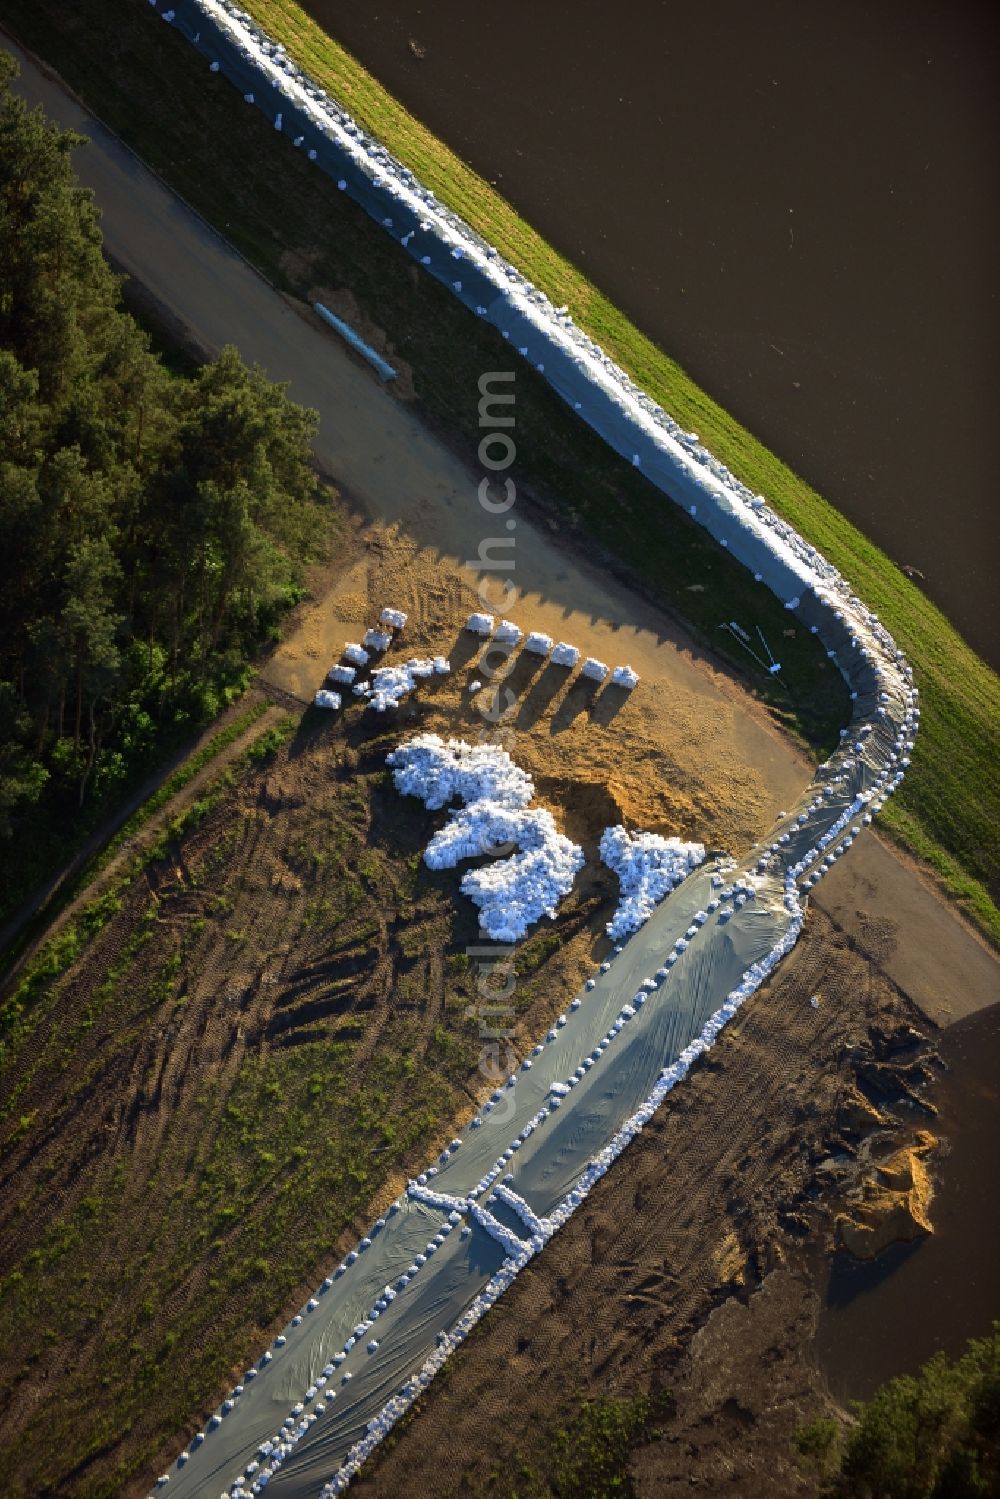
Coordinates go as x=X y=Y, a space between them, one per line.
x=419 y=1272
x=384 y=1323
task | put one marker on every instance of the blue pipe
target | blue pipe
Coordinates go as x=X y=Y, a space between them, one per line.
x=385 y=370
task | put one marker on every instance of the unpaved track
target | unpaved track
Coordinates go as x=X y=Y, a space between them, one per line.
x=377 y=450
x=111 y=825
x=398 y=473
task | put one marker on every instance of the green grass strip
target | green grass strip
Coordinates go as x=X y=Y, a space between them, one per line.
x=62 y=950
x=180 y=778
x=193 y=128
x=948 y=809
x=102 y=857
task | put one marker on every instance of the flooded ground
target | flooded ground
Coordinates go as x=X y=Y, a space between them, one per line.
x=796 y=202
x=889 y=1317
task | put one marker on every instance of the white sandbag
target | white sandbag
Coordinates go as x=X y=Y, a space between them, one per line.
x=507 y=633
x=565 y=655
x=480 y=624
x=325 y=699
x=594 y=669
x=356 y=654
x=378 y=640
x=624 y=676
x=390 y=684
x=537 y=644
x=440 y=771
x=345 y=674
x=395 y=618
x=512 y=893
x=648 y=867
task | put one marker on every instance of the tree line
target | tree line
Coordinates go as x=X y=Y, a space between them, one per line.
x=930 y=1435
x=152 y=526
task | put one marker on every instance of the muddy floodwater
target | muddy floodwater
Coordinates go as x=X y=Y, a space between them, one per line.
x=889 y=1317
x=797 y=202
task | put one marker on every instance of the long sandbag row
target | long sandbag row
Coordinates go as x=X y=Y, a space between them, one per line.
x=629 y=420
x=544 y=1141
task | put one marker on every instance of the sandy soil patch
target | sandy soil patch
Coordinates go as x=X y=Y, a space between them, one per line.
x=679 y=754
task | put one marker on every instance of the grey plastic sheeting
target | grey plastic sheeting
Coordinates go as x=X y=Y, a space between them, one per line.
x=550 y=1147
x=550 y=1155
x=405 y=1331
x=544 y=1168
x=674 y=460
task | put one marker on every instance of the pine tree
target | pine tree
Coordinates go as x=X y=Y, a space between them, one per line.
x=151 y=527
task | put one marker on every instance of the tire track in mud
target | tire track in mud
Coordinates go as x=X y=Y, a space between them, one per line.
x=140 y=840
x=132 y=1078
x=609 y=1306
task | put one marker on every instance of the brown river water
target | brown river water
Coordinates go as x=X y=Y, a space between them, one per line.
x=797 y=201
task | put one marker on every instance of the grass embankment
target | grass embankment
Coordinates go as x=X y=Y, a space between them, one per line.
x=150 y=86
x=268 y=1019
x=948 y=812
x=286 y=217
x=92 y=866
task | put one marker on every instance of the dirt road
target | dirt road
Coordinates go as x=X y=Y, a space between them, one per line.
x=427 y=524
x=399 y=474
x=381 y=456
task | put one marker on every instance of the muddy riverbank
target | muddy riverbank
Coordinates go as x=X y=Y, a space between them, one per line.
x=888 y=1317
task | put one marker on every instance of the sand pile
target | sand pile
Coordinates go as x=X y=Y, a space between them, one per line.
x=893 y=1205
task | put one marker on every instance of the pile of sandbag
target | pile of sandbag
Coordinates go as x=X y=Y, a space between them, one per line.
x=540 y=863
x=440 y=771
x=648 y=867
x=390 y=684
x=515 y=891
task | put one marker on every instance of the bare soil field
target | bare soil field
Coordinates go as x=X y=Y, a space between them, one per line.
x=690 y=1267
x=271 y=1027
x=276 y=1021
x=274 y=1026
